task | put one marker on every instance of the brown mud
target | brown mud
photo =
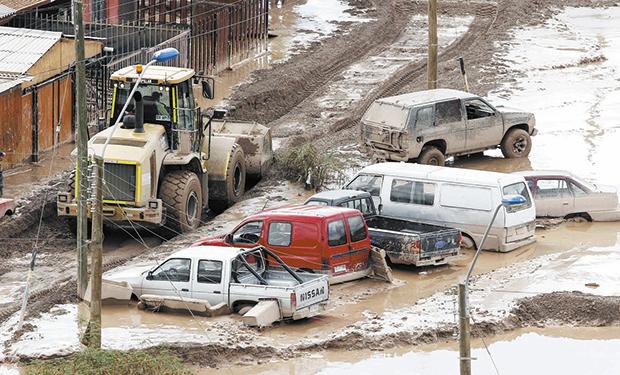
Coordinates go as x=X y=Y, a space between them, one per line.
x=288 y=91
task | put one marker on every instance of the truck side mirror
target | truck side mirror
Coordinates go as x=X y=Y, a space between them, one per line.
x=149 y=276
x=229 y=238
x=207 y=88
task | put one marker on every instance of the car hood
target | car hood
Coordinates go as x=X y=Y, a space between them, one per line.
x=133 y=276
x=515 y=115
x=212 y=241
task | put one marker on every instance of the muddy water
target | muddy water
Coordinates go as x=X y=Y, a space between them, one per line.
x=353 y=302
x=565 y=350
x=570 y=69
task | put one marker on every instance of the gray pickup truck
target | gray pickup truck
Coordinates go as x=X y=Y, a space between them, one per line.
x=404 y=241
x=428 y=126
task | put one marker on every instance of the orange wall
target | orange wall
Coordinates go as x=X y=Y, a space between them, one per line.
x=15 y=141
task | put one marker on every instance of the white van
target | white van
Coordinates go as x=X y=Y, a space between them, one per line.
x=454 y=197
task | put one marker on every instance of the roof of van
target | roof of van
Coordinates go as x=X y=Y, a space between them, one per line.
x=305 y=210
x=426 y=96
x=431 y=172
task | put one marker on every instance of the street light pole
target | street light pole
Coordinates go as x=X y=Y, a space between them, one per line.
x=94 y=325
x=464 y=323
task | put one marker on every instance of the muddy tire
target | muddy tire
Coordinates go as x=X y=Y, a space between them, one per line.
x=182 y=198
x=467 y=243
x=243 y=308
x=432 y=156
x=235 y=176
x=71 y=184
x=516 y=144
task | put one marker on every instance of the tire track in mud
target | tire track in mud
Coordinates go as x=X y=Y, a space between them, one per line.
x=414 y=74
x=272 y=93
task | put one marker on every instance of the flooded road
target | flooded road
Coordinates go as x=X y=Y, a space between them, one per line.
x=570 y=68
x=567 y=351
x=578 y=131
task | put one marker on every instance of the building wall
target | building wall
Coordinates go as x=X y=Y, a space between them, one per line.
x=15 y=140
x=16 y=130
x=54 y=100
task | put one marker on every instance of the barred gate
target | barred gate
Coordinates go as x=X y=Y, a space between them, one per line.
x=227 y=34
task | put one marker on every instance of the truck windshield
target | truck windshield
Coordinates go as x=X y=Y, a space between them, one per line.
x=518 y=189
x=156 y=103
x=367 y=183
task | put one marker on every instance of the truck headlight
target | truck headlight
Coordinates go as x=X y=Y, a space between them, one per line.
x=63 y=197
x=153 y=205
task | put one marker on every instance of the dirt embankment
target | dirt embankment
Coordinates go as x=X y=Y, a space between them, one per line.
x=573 y=309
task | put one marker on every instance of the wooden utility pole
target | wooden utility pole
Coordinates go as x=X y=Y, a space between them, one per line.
x=431 y=67
x=81 y=174
x=94 y=325
x=464 y=327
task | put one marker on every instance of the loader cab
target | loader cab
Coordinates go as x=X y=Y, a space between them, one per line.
x=167 y=99
x=171 y=106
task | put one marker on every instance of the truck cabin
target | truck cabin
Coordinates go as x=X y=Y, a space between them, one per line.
x=167 y=99
x=356 y=199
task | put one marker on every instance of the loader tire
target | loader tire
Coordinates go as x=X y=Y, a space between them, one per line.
x=182 y=199
x=71 y=184
x=235 y=176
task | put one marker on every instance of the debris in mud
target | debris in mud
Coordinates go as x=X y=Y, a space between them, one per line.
x=567 y=308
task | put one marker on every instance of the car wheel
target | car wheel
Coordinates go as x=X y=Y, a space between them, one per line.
x=516 y=144
x=432 y=156
x=467 y=243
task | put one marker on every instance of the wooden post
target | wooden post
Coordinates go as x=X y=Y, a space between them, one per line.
x=81 y=174
x=462 y=63
x=432 y=45
x=464 y=335
x=94 y=325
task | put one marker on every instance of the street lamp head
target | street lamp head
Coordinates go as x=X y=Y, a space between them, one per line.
x=511 y=200
x=165 y=54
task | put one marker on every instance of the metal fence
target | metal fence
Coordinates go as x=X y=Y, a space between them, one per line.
x=125 y=37
x=220 y=36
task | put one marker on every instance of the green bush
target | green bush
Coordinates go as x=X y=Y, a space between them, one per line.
x=309 y=166
x=157 y=360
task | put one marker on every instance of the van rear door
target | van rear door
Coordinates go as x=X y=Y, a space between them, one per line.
x=520 y=220
x=338 y=248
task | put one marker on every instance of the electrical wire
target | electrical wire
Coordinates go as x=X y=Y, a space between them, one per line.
x=485 y=344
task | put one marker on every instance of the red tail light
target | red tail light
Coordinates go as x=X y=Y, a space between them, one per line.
x=415 y=247
x=293 y=301
x=460 y=238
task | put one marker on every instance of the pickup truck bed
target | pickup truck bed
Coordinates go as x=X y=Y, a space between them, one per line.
x=404 y=241
x=410 y=242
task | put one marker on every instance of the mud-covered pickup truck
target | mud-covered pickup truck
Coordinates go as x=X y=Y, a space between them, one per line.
x=239 y=277
x=428 y=126
x=404 y=241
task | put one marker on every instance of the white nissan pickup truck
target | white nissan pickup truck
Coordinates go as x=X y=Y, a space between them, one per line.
x=239 y=277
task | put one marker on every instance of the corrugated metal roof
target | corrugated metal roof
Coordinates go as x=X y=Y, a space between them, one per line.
x=6 y=11
x=20 y=49
x=24 y=4
x=8 y=82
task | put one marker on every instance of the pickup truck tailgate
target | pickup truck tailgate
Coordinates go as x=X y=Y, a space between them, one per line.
x=312 y=292
x=440 y=242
